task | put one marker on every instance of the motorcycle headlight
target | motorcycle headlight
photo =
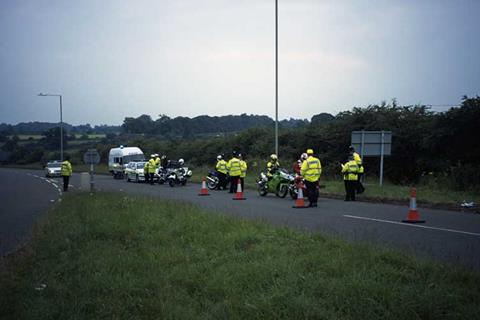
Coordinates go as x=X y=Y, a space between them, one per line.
x=189 y=173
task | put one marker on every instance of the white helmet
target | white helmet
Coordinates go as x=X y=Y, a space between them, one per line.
x=273 y=157
x=219 y=157
x=304 y=156
x=181 y=162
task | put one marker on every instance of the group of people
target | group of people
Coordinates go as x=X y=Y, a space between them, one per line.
x=235 y=168
x=155 y=162
x=308 y=167
x=352 y=173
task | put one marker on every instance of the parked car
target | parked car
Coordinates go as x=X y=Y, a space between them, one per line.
x=135 y=172
x=53 y=169
x=129 y=168
x=119 y=157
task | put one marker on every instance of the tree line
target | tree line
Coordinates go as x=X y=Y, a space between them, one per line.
x=426 y=145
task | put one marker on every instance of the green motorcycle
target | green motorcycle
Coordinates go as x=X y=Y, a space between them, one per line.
x=278 y=184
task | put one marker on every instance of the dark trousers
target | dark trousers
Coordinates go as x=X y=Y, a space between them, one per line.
x=241 y=183
x=312 y=192
x=65 y=182
x=147 y=177
x=150 y=177
x=222 y=181
x=359 y=186
x=233 y=183
x=350 y=186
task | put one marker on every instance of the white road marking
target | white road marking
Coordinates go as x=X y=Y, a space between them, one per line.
x=413 y=225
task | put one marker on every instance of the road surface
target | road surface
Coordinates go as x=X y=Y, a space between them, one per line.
x=447 y=235
x=25 y=196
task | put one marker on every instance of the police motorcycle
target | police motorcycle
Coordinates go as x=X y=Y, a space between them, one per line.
x=278 y=184
x=212 y=180
x=178 y=174
x=295 y=185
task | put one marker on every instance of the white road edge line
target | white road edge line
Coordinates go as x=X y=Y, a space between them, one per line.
x=413 y=225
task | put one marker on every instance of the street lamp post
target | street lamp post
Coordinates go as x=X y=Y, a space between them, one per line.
x=276 y=77
x=61 y=119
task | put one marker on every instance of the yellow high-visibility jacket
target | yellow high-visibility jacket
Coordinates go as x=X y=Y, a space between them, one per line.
x=271 y=166
x=233 y=167
x=350 y=170
x=311 y=169
x=221 y=166
x=66 y=169
x=243 y=168
x=157 y=162
x=358 y=160
x=151 y=166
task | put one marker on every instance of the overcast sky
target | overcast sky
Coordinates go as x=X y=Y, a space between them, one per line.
x=111 y=59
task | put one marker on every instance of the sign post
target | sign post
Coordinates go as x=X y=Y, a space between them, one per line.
x=373 y=143
x=91 y=157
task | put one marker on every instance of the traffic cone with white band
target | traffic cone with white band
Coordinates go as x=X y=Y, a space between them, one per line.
x=413 y=216
x=204 y=190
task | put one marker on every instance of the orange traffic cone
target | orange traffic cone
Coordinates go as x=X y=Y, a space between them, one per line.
x=413 y=216
x=239 y=195
x=300 y=202
x=204 y=190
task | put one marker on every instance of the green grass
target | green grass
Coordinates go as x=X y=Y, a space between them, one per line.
x=120 y=257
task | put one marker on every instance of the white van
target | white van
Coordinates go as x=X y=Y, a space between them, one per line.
x=119 y=157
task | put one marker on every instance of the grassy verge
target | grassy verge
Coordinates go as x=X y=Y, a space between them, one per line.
x=117 y=257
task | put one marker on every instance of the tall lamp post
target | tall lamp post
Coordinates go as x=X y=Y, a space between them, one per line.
x=61 y=119
x=276 y=77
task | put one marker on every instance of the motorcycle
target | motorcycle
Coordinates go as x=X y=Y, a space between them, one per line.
x=162 y=175
x=212 y=180
x=295 y=185
x=278 y=184
x=178 y=176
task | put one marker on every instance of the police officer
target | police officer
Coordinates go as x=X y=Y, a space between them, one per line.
x=234 y=171
x=311 y=170
x=221 y=169
x=272 y=166
x=356 y=157
x=151 y=168
x=66 y=171
x=243 y=168
x=350 y=178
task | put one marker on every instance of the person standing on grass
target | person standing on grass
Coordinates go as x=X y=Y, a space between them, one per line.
x=310 y=171
x=350 y=178
x=243 y=172
x=66 y=172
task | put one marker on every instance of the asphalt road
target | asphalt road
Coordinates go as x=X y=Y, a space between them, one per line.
x=24 y=197
x=447 y=235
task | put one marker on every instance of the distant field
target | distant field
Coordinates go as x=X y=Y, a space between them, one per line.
x=40 y=136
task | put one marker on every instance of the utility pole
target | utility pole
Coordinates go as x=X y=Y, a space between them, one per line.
x=276 y=77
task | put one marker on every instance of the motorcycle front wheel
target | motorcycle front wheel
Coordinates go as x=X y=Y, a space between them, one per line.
x=282 y=190
x=262 y=190
x=171 y=183
x=212 y=184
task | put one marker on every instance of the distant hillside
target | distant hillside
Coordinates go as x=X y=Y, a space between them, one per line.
x=40 y=127
x=202 y=125
x=170 y=127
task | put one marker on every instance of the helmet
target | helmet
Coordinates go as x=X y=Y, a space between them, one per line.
x=273 y=156
x=309 y=151
x=152 y=155
x=219 y=157
x=181 y=162
x=234 y=153
x=351 y=148
x=304 y=156
x=164 y=156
